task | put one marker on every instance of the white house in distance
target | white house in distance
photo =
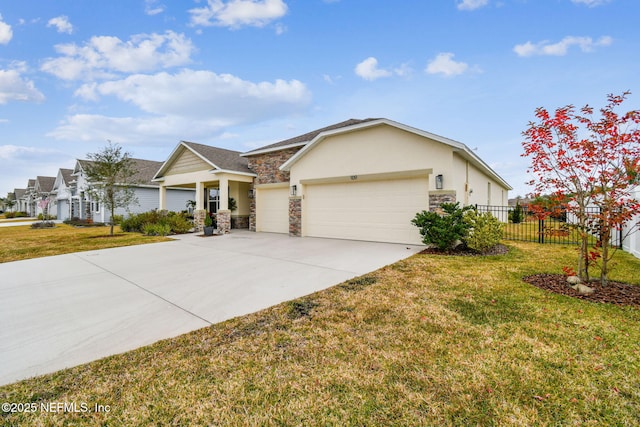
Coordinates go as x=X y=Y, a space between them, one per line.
x=632 y=230
x=75 y=200
x=358 y=179
x=61 y=193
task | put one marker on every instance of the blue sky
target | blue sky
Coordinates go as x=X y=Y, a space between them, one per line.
x=240 y=74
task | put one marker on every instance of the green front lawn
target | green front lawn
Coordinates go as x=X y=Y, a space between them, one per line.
x=431 y=340
x=24 y=242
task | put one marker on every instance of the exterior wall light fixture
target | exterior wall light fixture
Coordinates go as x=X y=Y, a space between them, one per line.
x=439 y=182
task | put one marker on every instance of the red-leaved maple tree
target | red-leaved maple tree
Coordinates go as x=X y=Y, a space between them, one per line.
x=588 y=163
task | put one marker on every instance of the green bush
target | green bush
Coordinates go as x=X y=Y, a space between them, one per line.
x=9 y=215
x=156 y=229
x=176 y=223
x=515 y=215
x=443 y=229
x=485 y=231
x=117 y=219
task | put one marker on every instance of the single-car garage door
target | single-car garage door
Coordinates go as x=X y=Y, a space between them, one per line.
x=366 y=210
x=272 y=209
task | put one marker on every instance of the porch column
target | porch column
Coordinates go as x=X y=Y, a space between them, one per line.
x=200 y=196
x=223 y=218
x=163 y=198
x=224 y=193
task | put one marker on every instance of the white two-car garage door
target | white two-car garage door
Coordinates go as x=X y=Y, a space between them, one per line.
x=272 y=206
x=366 y=210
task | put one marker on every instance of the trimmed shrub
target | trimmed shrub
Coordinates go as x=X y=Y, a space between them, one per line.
x=177 y=223
x=43 y=224
x=77 y=222
x=443 y=229
x=485 y=231
x=9 y=215
x=156 y=229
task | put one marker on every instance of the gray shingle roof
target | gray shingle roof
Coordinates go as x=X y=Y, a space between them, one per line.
x=222 y=158
x=19 y=192
x=145 y=170
x=308 y=137
x=66 y=175
x=45 y=183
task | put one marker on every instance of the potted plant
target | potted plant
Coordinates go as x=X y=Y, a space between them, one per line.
x=209 y=225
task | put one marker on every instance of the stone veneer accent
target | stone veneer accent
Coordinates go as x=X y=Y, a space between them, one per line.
x=267 y=167
x=252 y=209
x=239 y=221
x=198 y=219
x=436 y=198
x=223 y=219
x=295 y=216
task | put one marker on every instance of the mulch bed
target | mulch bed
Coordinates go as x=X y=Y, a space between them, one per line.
x=613 y=293
x=463 y=251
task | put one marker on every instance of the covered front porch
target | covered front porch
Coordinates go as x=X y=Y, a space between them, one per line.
x=224 y=195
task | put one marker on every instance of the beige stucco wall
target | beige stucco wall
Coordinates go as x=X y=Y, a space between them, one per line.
x=484 y=189
x=239 y=191
x=378 y=150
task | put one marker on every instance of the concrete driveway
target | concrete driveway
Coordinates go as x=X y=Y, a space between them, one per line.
x=66 y=310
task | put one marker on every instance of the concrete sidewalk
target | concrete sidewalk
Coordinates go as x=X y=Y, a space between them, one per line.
x=70 y=309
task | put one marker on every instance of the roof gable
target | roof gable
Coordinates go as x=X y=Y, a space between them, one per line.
x=44 y=184
x=191 y=156
x=456 y=146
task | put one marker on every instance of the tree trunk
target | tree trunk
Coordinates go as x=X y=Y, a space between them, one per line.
x=111 y=221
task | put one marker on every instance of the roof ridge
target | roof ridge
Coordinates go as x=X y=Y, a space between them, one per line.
x=307 y=137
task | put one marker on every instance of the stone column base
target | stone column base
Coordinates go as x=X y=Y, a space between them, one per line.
x=295 y=216
x=223 y=218
x=198 y=219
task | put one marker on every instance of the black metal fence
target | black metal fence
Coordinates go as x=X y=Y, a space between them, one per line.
x=553 y=226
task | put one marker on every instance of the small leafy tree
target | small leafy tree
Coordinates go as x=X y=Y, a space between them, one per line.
x=443 y=229
x=111 y=173
x=588 y=162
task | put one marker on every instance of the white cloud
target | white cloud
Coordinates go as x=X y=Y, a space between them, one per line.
x=13 y=87
x=102 y=56
x=61 y=23
x=472 y=4
x=238 y=13
x=443 y=63
x=6 y=34
x=189 y=103
x=8 y=152
x=586 y=44
x=151 y=7
x=368 y=70
x=591 y=3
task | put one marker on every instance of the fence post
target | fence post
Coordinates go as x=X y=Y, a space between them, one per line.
x=540 y=230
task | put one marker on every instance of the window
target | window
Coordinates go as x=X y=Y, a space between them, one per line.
x=214 y=200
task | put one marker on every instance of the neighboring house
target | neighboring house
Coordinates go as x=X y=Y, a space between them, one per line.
x=42 y=200
x=19 y=198
x=28 y=199
x=62 y=193
x=358 y=179
x=83 y=206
